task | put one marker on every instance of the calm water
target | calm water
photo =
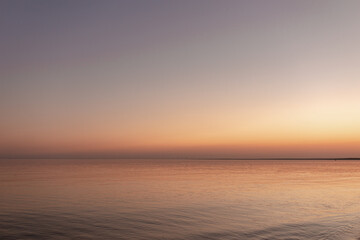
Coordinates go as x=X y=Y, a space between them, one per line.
x=179 y=199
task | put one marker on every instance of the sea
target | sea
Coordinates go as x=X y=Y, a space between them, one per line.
x=179 y=199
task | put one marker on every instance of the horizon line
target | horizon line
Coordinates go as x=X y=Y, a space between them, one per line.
x=188 y=158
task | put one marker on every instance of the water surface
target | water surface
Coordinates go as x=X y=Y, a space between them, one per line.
x=179 y=199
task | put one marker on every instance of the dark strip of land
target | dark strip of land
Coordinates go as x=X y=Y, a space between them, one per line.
x=276 y=158
x=167 y=157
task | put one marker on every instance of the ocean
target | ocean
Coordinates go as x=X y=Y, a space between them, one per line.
x=179 y=199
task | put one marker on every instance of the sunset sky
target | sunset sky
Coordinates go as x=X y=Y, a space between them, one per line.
x=195 y=78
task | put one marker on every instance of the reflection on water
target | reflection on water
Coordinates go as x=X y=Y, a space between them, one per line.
x=179 y=199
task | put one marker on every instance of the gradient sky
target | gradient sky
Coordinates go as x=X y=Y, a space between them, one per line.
x=180 y=78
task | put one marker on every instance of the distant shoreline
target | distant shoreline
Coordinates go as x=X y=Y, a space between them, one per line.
x=279 y=158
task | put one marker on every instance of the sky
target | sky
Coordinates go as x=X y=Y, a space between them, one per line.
x=202 y=78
